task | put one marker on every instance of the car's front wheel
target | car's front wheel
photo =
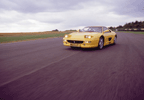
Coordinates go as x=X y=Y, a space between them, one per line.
x=115 y=40
x=73 y=47
x=101 y=43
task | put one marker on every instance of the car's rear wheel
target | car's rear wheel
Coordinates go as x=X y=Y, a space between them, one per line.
x=115 y=40
x=101 y=43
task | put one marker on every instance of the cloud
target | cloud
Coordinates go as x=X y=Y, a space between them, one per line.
x=45 y=15
x=132 y=7
x=32 y=6
x=129 y=7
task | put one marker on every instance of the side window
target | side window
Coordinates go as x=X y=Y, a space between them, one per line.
x=104 y=28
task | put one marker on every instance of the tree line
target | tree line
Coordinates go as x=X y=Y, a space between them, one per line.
x=137 y=25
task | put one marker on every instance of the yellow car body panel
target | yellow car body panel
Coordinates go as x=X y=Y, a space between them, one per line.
x=78 y=39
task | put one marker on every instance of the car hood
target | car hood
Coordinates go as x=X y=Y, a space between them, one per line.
x=80 y=35
x=84 y=33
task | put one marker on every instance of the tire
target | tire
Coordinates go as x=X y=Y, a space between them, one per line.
x=115 y=40
x=101 y=43
x=73 y=47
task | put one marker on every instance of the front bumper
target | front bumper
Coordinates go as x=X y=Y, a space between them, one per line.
x=81 y=43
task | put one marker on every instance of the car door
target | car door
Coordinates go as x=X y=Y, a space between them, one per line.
x=113 y=36
x=110 y=36
x=107 y=36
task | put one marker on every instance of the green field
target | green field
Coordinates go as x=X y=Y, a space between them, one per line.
x=14 y=38
x=132 y=32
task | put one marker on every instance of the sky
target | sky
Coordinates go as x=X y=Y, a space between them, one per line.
x=47 y=15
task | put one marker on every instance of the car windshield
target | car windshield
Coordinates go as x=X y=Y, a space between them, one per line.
x=92 y=29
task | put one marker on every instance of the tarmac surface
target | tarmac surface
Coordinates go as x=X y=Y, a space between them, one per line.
x=47 y=70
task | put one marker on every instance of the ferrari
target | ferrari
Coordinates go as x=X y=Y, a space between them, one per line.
x=90 y=37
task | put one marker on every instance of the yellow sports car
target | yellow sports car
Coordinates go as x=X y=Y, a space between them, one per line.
x=90 y=37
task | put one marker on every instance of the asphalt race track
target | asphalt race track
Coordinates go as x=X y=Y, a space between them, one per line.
x=47 y=70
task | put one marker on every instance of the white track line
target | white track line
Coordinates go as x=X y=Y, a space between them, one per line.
x=35 y=70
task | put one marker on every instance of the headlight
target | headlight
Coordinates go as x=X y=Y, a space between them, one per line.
x=88 y=36
x=64 y=40
x=66 y=36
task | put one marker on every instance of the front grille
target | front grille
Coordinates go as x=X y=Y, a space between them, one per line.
x=73 y=41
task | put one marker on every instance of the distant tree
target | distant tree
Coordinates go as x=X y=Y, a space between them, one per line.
x=120 y=26
x=142 y=25
x=136 y=22
x=131 y=25
x=55 y=30
x=137 y=26
x=112 y=28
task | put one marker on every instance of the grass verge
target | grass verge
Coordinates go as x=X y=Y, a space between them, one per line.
x=7 y=39
x=132 y=32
